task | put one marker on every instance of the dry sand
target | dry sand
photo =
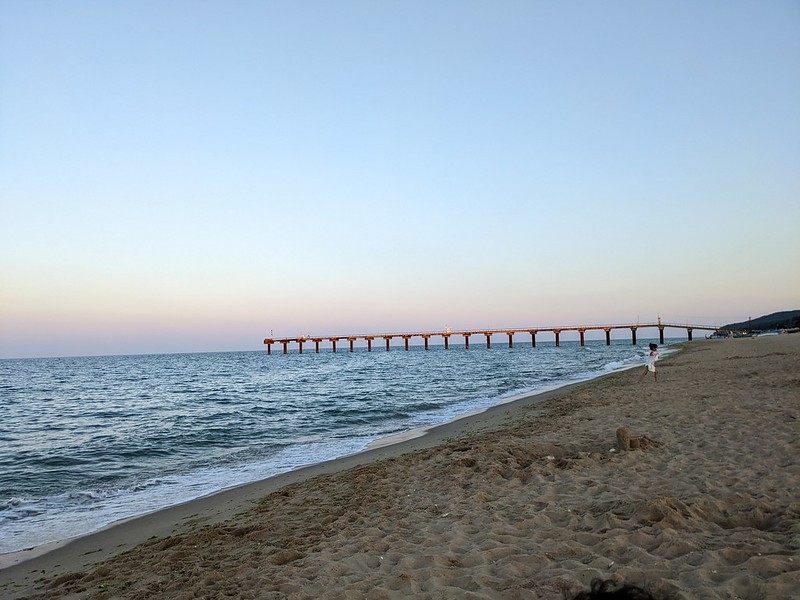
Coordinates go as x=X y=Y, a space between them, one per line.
x=526 y=501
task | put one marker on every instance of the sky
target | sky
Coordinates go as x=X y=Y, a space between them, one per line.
x=193 y=176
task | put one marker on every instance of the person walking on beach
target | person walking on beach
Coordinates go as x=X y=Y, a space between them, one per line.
x=650 y=365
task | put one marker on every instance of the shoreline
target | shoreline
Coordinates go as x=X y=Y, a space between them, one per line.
x=219 y=506
x=16 y=557
x=52 y=529
x=527 y=499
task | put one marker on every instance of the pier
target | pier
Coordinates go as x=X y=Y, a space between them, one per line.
x=425 y=336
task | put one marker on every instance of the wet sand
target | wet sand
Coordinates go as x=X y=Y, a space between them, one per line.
x=531 y=499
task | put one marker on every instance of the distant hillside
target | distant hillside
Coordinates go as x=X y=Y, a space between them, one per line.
x=778 y=320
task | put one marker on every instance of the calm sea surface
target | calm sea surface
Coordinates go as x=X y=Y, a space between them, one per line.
x=87 y=441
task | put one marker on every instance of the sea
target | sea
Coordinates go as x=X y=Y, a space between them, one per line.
x=88 y=441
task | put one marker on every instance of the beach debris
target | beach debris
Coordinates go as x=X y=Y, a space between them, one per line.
x=625 y=441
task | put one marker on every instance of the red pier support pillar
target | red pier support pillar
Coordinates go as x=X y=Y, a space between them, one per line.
x=405 y=341
x=369 y=343
x=285 y=347
x=533 y=338
x=510 y=339
x=608 y=337
x=300 y=345
x=426 y=337
x=333 y=341
x=269 y=346
x=558 y=337
x=352 y=341
x=488 y=340
x=446 y=337
x=583 y=336
x=633 y=335
x=466 y=340
x=387 y=338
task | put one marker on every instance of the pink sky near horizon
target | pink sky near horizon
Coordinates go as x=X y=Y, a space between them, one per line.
x=135 y=330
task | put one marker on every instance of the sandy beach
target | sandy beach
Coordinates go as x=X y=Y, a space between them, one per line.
x=530 y=500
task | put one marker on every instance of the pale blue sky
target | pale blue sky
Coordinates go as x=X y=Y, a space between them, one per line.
x=180 y=176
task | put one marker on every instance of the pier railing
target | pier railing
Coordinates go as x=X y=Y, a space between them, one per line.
x=351 y=339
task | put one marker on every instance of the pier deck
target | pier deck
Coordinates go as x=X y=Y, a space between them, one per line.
x=488 y=333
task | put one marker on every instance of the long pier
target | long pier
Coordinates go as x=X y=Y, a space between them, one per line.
x=467 y=334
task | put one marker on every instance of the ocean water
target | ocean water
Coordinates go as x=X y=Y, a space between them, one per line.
x=88 y=441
